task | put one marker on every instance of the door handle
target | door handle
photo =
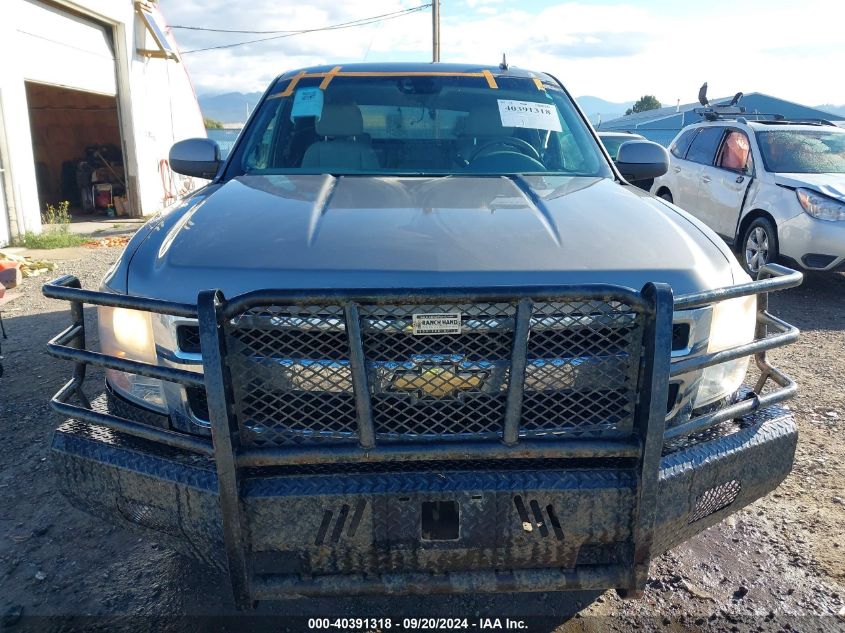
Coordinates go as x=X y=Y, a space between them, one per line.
x=705 y=179
x=677 y=170
x=740 y=179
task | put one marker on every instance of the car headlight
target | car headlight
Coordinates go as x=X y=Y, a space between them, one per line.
x=129 y=334
x=733 y=323
x=819 y=206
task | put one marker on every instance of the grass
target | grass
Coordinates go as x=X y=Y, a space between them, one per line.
x=56 y=233
x=50 y=239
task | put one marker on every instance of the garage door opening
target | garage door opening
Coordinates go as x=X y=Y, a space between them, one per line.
x=77 y=148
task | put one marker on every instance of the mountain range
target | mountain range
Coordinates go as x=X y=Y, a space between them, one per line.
x=827 y=107
x=232 y=107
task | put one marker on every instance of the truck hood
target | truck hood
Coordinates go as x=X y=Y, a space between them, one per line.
x=832 y=185
x=319 y=232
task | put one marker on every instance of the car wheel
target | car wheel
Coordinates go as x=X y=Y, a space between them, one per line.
x=667 y=196
x=759 y=246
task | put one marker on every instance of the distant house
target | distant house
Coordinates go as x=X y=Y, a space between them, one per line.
x=663 y=124
x=92 y=94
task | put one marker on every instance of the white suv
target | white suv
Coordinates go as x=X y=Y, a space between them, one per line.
x=774 y=189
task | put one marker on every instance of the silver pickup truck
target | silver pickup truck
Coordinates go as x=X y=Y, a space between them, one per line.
x=420 y=334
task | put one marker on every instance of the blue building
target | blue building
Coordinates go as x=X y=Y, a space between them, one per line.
x=663 y=124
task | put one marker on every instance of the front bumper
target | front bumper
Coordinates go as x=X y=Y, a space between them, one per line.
x=303 y=542
x=815 y=244
x=579 y=496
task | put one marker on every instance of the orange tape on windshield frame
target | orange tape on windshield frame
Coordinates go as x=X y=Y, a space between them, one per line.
x=337 y=72
x=491 y=81
x=328 y=78
x=291 y=85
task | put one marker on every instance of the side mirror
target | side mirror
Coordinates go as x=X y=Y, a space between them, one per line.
x=199 y=157
x=641 y=160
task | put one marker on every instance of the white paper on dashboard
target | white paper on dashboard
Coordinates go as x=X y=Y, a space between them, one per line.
x=538 y=116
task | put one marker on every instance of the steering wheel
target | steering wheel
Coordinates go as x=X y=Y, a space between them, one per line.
x=516 y=143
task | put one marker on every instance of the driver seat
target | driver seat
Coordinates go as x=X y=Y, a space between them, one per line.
x=480 y=126
x=343 y=145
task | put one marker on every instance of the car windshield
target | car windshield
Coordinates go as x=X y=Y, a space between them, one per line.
x=803 y=151
x=416 y=124
x=613 y=143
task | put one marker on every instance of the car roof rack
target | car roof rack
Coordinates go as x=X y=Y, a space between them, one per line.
x=716 y=112
x=812 y=122
x=780 y=120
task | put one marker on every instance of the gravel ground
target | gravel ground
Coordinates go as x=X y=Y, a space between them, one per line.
x=776 y=565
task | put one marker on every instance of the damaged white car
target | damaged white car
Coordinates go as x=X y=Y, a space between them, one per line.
x=775 y=189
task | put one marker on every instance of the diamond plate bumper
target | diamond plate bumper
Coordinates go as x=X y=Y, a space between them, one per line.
x=542 y=524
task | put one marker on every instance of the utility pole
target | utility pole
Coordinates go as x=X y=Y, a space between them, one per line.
x=435 y=30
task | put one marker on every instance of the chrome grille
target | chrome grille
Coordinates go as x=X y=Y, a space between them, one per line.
x=440 y=386
x=581 y=374
x=293 y=382
x=290 y=375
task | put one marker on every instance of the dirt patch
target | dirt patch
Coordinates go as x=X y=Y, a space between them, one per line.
x=777 y=563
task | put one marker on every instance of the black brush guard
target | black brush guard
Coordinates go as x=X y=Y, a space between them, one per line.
x=383 y=492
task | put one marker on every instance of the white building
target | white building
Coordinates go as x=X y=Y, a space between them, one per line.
x=80 y=78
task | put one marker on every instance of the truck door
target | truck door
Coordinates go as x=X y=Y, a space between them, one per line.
x=723 y=184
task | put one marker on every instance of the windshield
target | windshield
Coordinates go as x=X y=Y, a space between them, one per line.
x=803 y=151
x=613 y=143
x=417 y=124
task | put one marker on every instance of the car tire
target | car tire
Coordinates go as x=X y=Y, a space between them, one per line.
x=667 y=196
x=758 y=246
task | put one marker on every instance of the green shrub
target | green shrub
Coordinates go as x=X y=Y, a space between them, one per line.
x=50 y=239
x=57 y=235
x=58 y=215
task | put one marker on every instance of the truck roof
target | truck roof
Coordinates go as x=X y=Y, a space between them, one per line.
x=415 y=67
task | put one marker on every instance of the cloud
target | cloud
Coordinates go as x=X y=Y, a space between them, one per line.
x=596 y=45
x=478 y=3
x=617 y=51
x=251 y=66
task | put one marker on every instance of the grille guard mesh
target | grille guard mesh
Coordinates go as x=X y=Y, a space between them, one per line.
x=292 y=378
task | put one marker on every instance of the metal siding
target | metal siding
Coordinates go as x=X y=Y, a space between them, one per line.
x=64 y=50
x=661 y=126
x=5 y=235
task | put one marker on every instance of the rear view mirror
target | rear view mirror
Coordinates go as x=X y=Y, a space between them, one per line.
x=640 y=160
x=199 y=157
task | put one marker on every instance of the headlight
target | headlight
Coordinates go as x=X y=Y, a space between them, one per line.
x=129 y=334
x=733 y=324
x=819 y=206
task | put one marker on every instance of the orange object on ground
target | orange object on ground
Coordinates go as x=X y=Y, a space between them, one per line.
x=5 y=265
x=118 y=240
x=11 y=277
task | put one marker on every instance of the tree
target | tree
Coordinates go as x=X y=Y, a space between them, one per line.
x=212 y=124
x=646 y=102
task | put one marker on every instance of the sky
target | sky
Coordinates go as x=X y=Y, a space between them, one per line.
x=617 y=51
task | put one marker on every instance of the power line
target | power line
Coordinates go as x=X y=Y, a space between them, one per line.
x=343 y=25
x=334 y=26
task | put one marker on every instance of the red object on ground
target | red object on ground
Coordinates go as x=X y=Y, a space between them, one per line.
x=7 y=264
x=11 y=277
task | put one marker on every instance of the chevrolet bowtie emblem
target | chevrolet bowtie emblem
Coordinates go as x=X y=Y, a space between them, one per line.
x=438 y=382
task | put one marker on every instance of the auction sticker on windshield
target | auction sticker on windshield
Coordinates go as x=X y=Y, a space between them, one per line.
x=307 y=102
x=437 y=323
x=538 y=116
